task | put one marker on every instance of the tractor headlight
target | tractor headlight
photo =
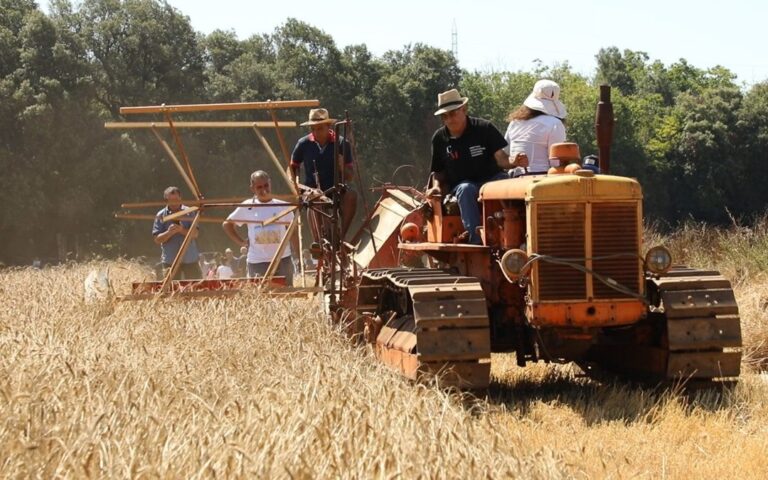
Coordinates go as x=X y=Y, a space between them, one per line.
x=658 y=259
x=513 y=263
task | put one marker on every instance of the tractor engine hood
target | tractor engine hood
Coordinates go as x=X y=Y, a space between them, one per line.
x=562 y=187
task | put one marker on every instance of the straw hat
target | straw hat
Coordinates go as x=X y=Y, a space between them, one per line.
x=545 y=97
x=450 y=100
x=318 y=116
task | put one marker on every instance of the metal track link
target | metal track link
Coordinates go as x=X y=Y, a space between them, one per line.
x=703 y=333
x=443 y=330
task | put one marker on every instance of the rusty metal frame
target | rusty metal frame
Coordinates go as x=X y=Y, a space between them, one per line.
x=186 y=172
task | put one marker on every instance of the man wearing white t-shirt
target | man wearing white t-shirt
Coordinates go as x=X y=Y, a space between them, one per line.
x=262 y=240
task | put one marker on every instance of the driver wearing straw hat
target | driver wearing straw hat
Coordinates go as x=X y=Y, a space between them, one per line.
x=315 y=152
x=466 y=153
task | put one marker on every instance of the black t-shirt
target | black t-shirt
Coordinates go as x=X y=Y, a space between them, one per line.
x=470 y=156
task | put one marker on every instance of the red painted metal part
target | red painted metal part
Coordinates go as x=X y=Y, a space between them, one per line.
x=204 y=285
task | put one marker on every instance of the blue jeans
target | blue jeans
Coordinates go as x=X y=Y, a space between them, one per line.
x=466 y=194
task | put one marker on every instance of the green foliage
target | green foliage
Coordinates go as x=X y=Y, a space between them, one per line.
x=495 y=95
x=141 y=51
x=624 y=71
x=697 y=141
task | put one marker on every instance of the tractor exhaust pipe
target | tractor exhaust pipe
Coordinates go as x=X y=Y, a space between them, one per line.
x=604 y=128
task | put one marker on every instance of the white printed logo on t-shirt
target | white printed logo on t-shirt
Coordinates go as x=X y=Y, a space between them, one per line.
x=476 y=150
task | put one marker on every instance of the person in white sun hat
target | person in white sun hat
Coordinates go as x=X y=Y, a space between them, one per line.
x=536 y=124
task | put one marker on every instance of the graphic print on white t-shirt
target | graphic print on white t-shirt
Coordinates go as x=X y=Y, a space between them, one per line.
x=263 y=240
x=266 y=235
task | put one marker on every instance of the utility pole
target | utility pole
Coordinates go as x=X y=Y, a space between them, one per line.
x=455 y=40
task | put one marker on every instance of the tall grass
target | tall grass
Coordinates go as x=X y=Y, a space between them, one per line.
x=265 y=388
x=740 y=252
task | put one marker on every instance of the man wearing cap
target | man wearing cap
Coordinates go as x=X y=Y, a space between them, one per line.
x=536 y=125
x=466 y=153
x=170 y=235
x=315 y=152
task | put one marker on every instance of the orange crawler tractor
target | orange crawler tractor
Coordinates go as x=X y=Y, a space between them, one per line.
x=562 y=275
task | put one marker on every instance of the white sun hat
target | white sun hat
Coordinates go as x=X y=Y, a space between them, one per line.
x=545 y=97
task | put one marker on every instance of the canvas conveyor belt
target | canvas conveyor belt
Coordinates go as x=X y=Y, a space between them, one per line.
x=703 y=332
x=433 y=322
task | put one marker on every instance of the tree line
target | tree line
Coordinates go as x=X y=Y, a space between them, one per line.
x=696 y=139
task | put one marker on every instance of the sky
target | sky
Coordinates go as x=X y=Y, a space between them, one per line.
x=511 y=35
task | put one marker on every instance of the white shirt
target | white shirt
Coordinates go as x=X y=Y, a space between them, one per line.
x=534 y=137
x=262 y=241
x=224 y=272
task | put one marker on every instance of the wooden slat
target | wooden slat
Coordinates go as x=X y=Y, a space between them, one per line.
x=705 y=332
x=144 y=125
x=184 y=294
x=182 y=152
x=206 y=219
x=275 y=218
x=184 y=174
x=699 y=303
x=203 y=201
x=286 y=290
x=454 y=344
x=704 y=364
x=281 y=169
x=180 y=255
x=278 y=256
x=280 y=138
x=180 y=213
x=210 y=107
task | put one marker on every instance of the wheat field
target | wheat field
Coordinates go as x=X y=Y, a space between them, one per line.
x=260 y=387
